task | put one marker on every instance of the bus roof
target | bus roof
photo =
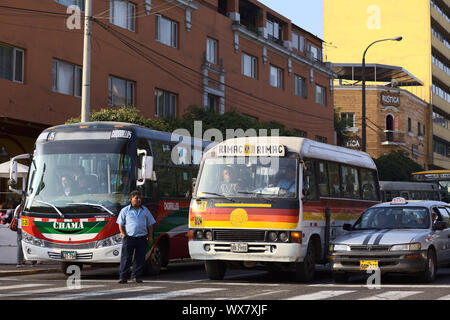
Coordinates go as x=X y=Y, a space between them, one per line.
x=307 y=148
x=408 y=186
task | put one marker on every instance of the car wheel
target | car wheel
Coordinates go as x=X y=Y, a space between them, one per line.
x=215 y=269
x=429 y=273
x=306 y=270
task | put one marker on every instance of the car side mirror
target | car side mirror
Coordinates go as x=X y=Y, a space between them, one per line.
x=347 y=227
x=439 y=225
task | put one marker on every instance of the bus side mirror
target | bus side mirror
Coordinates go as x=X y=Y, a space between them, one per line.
x=146 y=170
x=194 y=181
x=13 y=172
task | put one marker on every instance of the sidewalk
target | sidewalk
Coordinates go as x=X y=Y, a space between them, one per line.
x=44 y=267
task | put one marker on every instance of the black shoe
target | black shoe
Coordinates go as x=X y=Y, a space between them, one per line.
x=138 y=280
x=121 y=281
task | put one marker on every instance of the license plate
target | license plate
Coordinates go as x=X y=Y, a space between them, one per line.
x=368 y=265
x=69 y=255
x=239 y=247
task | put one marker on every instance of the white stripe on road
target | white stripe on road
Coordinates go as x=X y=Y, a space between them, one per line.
x=21 y=286
x=41 y=291
x=321 y=295
x=256 y=295
x=447 y=297
x=173 y=294
x=100 y=293
x=392 y=295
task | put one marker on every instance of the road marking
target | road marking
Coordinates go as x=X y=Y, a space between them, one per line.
x=172 y=294
x=21 y=286
x=257 y=295
x=392 y=295
x=100 y=293
x=321 y=295
x=334 y=285
x=41 y=291
x=447 y=297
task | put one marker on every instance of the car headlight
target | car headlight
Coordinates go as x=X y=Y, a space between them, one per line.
x=339 y=247
x=111 y=241
x=406 y=247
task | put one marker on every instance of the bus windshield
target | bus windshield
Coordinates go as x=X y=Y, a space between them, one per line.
x=79 y=177
x=249 y=177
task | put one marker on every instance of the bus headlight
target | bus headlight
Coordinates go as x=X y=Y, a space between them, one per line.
x=283 y=236
x=272 y=236
x=111 y=241
x=28 y=238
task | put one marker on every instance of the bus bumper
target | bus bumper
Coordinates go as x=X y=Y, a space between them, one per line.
x=109 y=254
x=257 y=251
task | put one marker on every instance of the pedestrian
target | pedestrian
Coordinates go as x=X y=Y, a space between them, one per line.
x=18 y=215
x=136 y=228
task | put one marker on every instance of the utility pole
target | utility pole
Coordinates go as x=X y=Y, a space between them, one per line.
x=86 y=85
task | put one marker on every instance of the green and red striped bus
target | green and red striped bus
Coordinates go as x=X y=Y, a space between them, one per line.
x=276 y=202
x=81 y=176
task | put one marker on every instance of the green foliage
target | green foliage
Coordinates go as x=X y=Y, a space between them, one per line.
x=396 y=166
x=340 y=126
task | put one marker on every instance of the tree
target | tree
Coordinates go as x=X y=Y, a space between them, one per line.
x=340 y=126
x=396 y=166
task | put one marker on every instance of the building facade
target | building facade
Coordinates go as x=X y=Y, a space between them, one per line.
x=160 y=56
x=424 y=51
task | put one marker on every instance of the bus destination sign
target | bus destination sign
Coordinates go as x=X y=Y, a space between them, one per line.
x=252 y=150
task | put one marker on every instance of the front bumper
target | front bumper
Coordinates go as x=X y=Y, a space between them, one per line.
x=109 y=254
x=399 y=261
x=257 y=251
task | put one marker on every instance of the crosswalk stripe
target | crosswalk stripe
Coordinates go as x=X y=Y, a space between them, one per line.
x=392 y=295
x=21 y=286
x=173 y=294
x=321 y=295
x=41 y=291
x=100 y=293
x=447 y=297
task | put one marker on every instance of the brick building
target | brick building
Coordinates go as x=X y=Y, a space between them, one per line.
x=160 y=56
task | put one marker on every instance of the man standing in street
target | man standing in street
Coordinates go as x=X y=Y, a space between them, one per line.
x=135 y=224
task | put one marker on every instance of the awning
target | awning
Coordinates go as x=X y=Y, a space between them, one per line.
x=375 y=73
x=22 y=170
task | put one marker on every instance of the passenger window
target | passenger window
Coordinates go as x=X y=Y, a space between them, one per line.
x=444 y=215
x=333 y=170
x=309 y=181
x=162 y=153
x=404 y=194
x=369 y=190
x=350 y=185
x=323 y=179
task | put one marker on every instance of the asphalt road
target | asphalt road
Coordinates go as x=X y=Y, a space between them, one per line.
x=188 y=281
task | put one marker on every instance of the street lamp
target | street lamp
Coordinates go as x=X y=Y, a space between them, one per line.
x=363 y=71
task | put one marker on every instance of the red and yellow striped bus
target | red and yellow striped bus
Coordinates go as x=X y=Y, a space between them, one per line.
x=276 y=202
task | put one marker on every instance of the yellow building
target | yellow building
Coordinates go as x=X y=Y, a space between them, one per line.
x=351 y=25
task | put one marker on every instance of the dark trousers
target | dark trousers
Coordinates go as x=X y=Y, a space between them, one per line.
x=137 y=246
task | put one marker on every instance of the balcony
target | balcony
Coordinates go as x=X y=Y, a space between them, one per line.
x=393 y=138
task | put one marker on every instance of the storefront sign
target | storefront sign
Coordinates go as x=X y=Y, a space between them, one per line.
x=390 y=98
x=354 y=143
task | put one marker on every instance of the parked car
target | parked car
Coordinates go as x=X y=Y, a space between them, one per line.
x=398 y=236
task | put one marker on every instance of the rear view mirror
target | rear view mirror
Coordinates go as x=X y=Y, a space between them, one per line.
x=347 y=227
x=439 y=225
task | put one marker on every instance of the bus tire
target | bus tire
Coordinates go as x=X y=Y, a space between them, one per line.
x=215 y=269
x=156 y=260
x=65 y=266
x=306 y=270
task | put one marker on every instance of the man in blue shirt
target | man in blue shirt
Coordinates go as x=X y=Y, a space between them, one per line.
x=135 y=224
x=288 y=184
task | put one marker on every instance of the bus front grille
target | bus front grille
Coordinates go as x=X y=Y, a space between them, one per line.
x=240 y=235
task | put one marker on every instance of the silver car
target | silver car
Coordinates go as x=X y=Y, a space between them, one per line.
x=399 y=236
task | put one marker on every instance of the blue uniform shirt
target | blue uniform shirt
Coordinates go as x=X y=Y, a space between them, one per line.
x=288 y=185
x=136 y=222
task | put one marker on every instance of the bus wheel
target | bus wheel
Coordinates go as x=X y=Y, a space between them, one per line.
x=305 y=271
x=69 y=268
x=215 y=269
x=156 y=260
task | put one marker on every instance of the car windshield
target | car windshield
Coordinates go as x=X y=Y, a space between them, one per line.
x=394 y=218
x=68 y=177
x=249 y=177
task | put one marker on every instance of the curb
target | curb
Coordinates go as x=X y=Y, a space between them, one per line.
x=26 y=272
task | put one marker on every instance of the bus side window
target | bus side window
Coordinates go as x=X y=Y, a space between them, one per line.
x=404 y=194
x=310 y=181
x=369 y=191
x=335 y=185
x=323 y=179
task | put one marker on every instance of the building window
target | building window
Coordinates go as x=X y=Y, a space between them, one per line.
x=440 y=147
x=349 y=118
x=165 y=104
x=314 y=52
x=298 y=42
x=419 y=133
x=276 y=77
x=66 y=78
x=300 y=133
x=121 y=92
x=273 y=30
x=440 y=120
x=409 y=125
x=11 y=63
x=249 y=65
x=300 y=86
x=166 y=31
x=211 y=50
x=320 y=95
x=321 y=139
x=68 y=3
x=212 y=103
x=123 y=14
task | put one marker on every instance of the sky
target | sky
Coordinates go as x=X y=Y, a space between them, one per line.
x=306 y=14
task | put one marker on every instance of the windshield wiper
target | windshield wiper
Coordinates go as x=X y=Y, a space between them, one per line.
x=92 y=205
x=51 y=205
x=220 y=195
x=257 y=194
